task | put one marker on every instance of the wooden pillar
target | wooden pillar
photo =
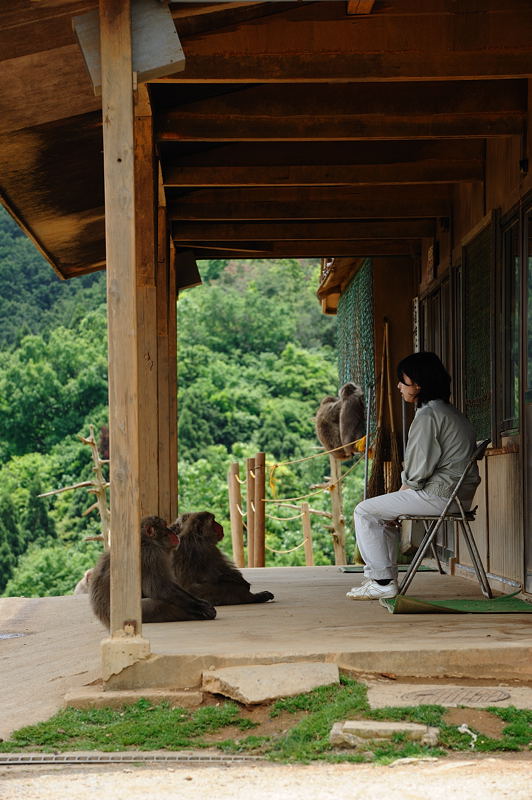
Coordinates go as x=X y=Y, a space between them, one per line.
x=250 y=509
x=235 y=509
x=338 y=523
x=149 y=315
x=119 y=181
x=307 y=533
x=260 y=509
x=172 y=380
x=166 y=374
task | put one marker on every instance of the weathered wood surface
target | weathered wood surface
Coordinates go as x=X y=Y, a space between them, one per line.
x=311 y=203
x=398 y=228
x=347 y=112
x=117 y=99
x=307 y=249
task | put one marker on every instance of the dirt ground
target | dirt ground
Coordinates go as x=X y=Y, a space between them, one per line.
x=462 y=778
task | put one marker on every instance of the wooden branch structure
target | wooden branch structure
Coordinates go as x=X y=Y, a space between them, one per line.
x=98 y=486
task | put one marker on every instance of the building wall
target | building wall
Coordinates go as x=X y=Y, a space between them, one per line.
x=501 y=528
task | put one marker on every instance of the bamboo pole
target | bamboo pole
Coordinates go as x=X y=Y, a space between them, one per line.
x=307 y=533
x=250 y=509
x=260 y=510
x=235 y=506
x=338 y=523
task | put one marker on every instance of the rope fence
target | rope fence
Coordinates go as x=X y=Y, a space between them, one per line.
x=255 y=513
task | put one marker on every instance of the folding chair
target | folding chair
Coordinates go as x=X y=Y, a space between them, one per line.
x=433 y=524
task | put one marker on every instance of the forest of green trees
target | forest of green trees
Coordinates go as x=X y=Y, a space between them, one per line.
x=256 y=355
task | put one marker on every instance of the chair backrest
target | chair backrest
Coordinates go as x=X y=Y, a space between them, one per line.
x=478 y=455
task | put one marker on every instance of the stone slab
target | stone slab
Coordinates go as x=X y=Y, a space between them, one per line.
x=94 y=697
x=358 y=733
x=393 y=693
x=258 y=684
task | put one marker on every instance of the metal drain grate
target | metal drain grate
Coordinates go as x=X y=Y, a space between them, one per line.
x=456 y=696
x=12 y=759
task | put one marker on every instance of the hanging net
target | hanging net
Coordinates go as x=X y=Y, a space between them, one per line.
x=355 y=333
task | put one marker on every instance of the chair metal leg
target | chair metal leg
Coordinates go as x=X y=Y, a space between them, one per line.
x=475 y=558
x=437 y=558
x=420 y=554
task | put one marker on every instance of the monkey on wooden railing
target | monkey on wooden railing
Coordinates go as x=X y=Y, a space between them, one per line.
x=163 y=600
x=203 y=569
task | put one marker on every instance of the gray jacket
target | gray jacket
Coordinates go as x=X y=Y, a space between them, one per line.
x=440 y=443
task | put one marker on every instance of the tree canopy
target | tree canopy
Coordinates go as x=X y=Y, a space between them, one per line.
x=255 y=358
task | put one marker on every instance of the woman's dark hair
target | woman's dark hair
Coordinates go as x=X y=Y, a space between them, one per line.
x=428 y=372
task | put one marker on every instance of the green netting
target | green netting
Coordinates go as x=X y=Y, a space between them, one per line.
x=477 y=371
x=355 y=333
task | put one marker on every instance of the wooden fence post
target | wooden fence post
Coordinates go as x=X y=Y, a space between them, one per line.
x=260 y=509
x=338 y=523
x=250 y=510
x=235 y=509
x=307 y=533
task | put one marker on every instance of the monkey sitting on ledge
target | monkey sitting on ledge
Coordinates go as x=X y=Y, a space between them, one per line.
x=163 y=600
x=203 y=569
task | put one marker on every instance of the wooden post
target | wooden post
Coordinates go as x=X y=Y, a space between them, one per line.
x=172 y=377
x=307 y=533
x=119 y=183
x=166 y=374
x=337 y=515
x=148 y=313
x=235 y=508
x=250 y=510
x=260 y=509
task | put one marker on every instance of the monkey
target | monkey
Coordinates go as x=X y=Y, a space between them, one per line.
x=82 y=586
x=203 y=569
x=328 y=426
x=352 y=422
x=163 y=600
x=340 y=420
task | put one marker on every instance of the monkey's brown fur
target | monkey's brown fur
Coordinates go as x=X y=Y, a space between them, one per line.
x=340 y=420
x=203 y=569
x=352 y=422
x=163 y=600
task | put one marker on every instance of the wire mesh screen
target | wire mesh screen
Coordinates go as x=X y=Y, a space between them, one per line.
x=477 y=370
x=355 y=333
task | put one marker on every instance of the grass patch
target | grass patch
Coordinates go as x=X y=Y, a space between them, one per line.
x=144 y=726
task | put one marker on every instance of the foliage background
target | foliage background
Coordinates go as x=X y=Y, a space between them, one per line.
x=256 y=355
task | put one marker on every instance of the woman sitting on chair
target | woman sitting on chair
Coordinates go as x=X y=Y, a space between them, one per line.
x=441 y=441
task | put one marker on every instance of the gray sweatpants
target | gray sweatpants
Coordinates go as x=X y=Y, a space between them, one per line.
x=378 y=540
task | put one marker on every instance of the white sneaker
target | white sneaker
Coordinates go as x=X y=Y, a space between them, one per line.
x=371 y=590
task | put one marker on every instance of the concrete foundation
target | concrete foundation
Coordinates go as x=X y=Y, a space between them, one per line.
x=310 y=620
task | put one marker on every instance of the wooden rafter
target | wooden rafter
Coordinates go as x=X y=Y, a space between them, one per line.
x=346 y=112
x=311 y=203
x=299 y=230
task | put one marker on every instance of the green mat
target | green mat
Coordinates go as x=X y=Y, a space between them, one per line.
x=401 y=568
x=505 y=604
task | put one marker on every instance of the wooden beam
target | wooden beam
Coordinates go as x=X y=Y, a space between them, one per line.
x=335 y=175
x=368 y=163
x=345 y=112
x=328 y=230
x=117 y=99
x=415 y=42
x=311 y=203
x=360 y=6
x=309 y=249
